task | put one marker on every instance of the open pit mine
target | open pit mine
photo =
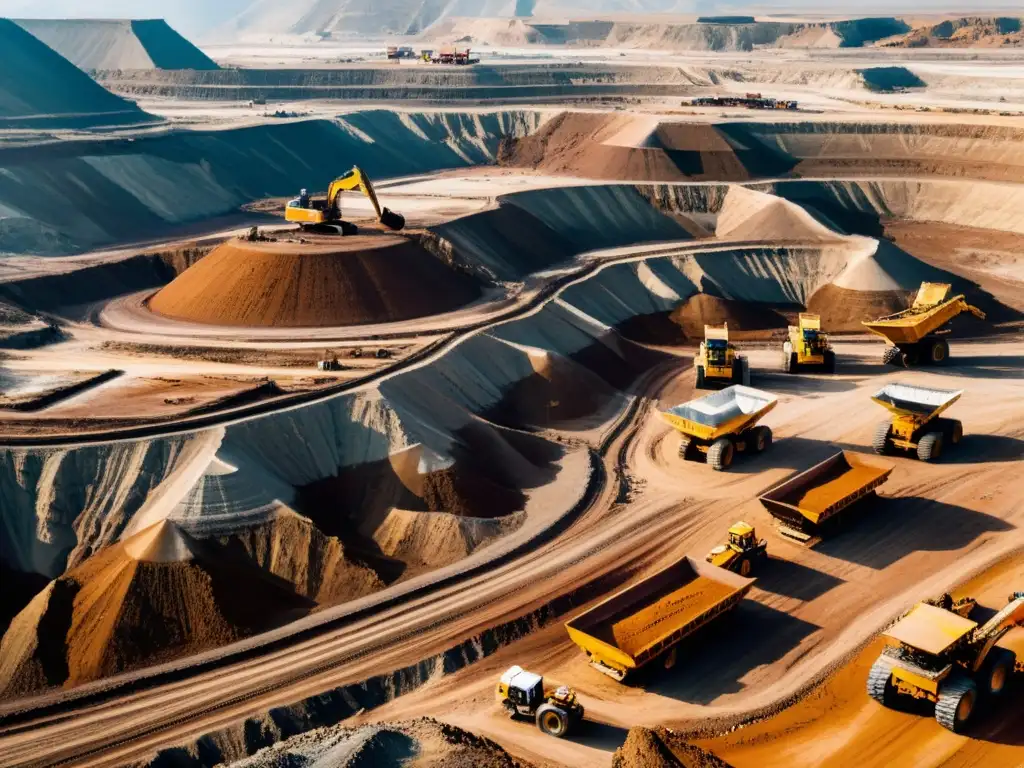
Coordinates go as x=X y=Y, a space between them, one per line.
x=623 y=419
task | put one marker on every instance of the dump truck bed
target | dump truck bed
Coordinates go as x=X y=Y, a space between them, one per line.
x=931 y=310
x=921 y=403
x=930 y=629
x=634 y=626
x=825 y=489
x=726 y=412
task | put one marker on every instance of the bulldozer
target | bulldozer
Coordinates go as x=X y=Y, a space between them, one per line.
x=935 y=652
x=742 y=552
x=717 y=361
x=808 y=347
x=324 y=215
x=522 y=694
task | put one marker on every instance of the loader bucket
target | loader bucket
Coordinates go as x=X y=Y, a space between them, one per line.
x=905 y=400
x=392 y=220
x=803 y=502
x=726 y=412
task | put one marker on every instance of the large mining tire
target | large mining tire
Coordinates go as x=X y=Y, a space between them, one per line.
x=761 y=439
x=698 y=380
x=510 y=708
x=938 y=351
x=957 y=699
x=929 y=447
x=737 y=370
x=745 y=567
x=721 y=453
x=910 y=356
x=745 y=375
x=687 y=450
x=954 y=430
x=830 y=361
x=998 y=671
x=880 y=686
x=882 y=442
x=552 y=720
x=891 y=356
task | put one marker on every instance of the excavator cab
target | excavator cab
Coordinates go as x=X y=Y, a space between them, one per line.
x=741 y=536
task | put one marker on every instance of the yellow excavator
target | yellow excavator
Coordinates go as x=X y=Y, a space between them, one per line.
x=324 y=215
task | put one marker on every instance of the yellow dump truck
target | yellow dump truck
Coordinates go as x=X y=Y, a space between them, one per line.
x=645 y=622
x=808 y=347
x=717 y=362
x=742 y=552
x=912 y=333
x=915 y=424
x=717 y=426
x=806 y=504
x=937 y=653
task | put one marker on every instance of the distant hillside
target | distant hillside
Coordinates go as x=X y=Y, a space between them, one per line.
x=39 y=88
x=968 y=32
x=95 y=44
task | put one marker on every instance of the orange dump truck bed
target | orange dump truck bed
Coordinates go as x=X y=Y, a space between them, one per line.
x=803 y=502
x=640 y=623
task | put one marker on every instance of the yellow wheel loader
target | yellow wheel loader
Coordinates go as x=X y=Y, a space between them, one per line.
x=717 y=361
x=742 y=552
x=808 y=347
x=935 y=652
x=324 y=215
x=522 y=694
x=915 y=424
x=913 y=334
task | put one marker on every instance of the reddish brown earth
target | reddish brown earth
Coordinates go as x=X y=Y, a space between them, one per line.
x=326 y=281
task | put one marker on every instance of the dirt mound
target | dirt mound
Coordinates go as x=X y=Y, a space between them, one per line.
x=93 y=44
x=704 y=309
x=967 y=32
x=39 y=88
x=843 y=309
x=646 y=748
x=155 y=596
x=326 y=282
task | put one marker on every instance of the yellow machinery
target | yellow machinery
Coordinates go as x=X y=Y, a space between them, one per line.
x=807 y=346
x=911 y=332
x=324 y=215
x=522 y=694
x=915 y=424
x=717 y=426
x=645 y=622
x=717 y=360
x=741 y=552
x=804 y=504
x=937 y=653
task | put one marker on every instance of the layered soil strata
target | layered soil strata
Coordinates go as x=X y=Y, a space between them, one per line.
x=324 y=281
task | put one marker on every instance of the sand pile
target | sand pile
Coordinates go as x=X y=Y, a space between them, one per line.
x=843 y=309
x=647 y=748
x=39 y=88
x=155 y=596
x=704 y=309
x=426 y=743
x=326 y=282
x=967 y=32
x=94 y=44
x=505 y=32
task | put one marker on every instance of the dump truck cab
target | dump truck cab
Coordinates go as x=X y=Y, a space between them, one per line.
x=808 y=346
x=717 y=361
x=522 y=694
x=935 y=652
x=742 y=552
x=915 y=424
x=913 y=334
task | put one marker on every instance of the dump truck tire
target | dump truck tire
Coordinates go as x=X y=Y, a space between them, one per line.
x=910 y=356
x=957 y=699
x=762 y=439
x=880 y=686
x=882 y=442
x=745 y=378
x=929 y=447
x=830 y=361
x=698 y=382
x=938 y=352
x=891 y=356
x=737 y=370
x=998 y=671
x=552 y=720
x=721 y=453
x=687 y=450
x=745 y=567
x=952 y=430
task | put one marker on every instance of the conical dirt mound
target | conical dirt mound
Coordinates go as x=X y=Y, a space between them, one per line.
x=329 y=281
x=155 y=596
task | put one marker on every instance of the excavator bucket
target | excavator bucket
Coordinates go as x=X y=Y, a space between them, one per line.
x=392 y=220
